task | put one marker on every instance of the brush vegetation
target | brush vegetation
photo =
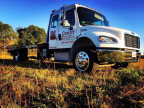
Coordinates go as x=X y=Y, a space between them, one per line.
x=34 y=84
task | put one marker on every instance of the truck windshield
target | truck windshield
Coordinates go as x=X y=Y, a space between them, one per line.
x=90 y=17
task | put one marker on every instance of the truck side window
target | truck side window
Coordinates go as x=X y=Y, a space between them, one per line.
x=54 y=21
x=70 y=19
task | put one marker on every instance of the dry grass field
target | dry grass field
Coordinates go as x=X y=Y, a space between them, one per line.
x=54 y=85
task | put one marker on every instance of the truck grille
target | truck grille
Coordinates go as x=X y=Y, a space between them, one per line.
x=132 y=41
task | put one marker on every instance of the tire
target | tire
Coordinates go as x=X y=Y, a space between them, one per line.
x=20 y=55
x=85 y=60
x=16 y=55
x=15 y=58
x=121 y=65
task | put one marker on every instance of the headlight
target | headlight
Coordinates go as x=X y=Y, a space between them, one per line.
x=105 y=39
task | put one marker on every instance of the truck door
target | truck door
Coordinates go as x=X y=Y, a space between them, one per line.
x=67 y=36
x=53 y=32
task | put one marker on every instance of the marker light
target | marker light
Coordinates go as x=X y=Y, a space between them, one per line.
x=83 y=22
x=79 y=4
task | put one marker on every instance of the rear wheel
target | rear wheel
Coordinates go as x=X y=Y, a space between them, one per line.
x=20 y=55
x=16 y=57
x=85 y=60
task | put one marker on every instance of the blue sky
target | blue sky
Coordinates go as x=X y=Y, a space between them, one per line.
x=126 y=14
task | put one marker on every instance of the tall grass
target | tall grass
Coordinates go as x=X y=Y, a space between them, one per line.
x=27 y=87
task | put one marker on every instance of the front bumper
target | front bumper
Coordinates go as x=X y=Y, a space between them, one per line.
x=117 y=55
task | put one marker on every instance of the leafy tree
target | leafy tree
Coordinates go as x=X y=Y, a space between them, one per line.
x=7 y=35
x=30 y=35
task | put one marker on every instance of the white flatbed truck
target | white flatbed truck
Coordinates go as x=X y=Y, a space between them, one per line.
x=80 y=35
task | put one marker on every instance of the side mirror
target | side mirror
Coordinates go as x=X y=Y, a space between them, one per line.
x=62 y=18
x=66 y=25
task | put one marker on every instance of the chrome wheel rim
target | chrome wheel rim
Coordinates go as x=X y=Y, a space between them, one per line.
x=82 y=61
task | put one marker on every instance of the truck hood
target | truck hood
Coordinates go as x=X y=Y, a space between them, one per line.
x=107 y=31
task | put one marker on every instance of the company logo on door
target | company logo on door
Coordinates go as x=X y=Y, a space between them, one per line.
x=67 y=33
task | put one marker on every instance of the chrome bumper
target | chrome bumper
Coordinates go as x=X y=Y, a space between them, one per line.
x=116 y=56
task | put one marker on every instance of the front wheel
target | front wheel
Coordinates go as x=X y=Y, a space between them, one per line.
x=85 y=60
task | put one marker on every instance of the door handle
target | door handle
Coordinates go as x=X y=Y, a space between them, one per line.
x=59 y=36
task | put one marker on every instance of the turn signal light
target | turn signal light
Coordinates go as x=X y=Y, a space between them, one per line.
x=101 y=39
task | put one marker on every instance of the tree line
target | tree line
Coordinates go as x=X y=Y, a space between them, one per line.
x=21 y=37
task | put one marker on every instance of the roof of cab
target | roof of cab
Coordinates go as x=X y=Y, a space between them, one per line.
x=76 y=5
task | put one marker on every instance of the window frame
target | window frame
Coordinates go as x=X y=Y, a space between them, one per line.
x=74 y=17
x=52 y=25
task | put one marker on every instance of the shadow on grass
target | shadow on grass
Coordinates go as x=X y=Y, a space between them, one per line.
x=35 y=64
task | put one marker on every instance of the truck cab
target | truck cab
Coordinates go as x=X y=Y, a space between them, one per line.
x=81 y=35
